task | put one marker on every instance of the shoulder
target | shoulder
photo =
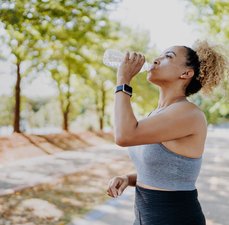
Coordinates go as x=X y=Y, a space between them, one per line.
x=188 y=109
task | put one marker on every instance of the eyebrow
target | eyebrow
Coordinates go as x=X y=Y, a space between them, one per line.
x=171 y=52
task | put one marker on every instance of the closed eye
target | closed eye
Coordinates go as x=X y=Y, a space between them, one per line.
x=168 y=56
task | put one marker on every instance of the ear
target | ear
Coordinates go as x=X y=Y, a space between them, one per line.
x=188 y=74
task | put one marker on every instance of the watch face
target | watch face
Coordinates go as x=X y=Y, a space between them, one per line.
x=127 y=88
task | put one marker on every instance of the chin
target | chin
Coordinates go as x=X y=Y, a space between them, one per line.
x=154 y=78
x=151 y=77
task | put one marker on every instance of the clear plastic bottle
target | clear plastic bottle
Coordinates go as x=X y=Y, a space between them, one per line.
x=113 y=58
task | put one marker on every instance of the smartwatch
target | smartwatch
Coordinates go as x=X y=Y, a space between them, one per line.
x=124 y=88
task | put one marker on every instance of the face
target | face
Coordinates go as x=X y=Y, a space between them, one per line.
x=169 y=66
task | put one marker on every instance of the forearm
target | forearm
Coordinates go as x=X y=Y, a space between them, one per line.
x=125 y=121
x=124 y=118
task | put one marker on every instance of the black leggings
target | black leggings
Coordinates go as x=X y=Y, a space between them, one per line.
x=156 y=207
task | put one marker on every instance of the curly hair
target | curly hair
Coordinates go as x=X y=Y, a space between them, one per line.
x=209 y=65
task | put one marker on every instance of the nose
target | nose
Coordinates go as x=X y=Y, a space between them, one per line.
x=156 y=62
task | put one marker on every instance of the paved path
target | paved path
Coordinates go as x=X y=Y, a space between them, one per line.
x=117 y=211
x=212 y=185
x=30 y=172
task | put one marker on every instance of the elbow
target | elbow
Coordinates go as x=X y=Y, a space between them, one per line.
x=125 y=138
x=121 y=141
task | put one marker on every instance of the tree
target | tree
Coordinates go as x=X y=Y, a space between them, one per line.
x=72 y=47
x=63 y=64
x=214 y=17
x=22 y=38
x=31 y=23
x=37 y=112
x=6 y=109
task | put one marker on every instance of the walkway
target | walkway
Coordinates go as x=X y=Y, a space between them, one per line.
x=33 y=171
x=212 y=185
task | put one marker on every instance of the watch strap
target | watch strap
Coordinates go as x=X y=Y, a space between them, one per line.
x=124 y=88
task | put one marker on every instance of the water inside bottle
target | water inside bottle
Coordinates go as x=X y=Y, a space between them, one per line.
x=113 y=58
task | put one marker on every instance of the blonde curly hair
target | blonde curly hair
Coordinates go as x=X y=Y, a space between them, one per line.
x=209 y=64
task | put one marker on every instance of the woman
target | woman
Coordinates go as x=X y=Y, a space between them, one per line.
x=167 y=146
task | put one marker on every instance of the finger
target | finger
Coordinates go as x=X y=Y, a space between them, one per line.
x=127 y=56
x=113 y=182
x=139 y=56
x=109 y=193
x=115 y=187
x=112 y=187
x=143 y=58
x=109 y=187
x=114 y=191
x=121 y=188
x=133 y=57
x=138 y=59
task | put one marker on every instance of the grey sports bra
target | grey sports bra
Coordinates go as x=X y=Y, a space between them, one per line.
x=160 y=167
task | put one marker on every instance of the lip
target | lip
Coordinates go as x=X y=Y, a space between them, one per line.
x=152 y=67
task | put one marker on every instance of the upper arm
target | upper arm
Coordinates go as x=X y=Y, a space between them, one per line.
x=175 y=122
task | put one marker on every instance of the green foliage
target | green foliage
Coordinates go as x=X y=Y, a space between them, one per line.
x=56 y=36
x=145 y=95
x=104 y=78
x=86 y=26
x=213 y=16
x=22 y=35
x=6 y=109
x=68 y=42
x=41 y=112
x=215 y=107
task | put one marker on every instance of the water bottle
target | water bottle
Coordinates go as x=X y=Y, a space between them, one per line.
x=113 y=58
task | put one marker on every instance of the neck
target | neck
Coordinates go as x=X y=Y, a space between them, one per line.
x=167 y=97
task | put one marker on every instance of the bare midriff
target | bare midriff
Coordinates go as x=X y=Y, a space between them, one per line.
x=151 y=187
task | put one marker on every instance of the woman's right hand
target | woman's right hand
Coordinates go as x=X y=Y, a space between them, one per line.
x=117 y=185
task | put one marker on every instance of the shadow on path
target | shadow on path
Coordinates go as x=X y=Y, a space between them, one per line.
x=35 y=143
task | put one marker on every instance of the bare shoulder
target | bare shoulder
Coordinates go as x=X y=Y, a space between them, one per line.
x=178 y=120
x=187 y=107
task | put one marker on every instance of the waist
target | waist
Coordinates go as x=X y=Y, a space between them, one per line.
x=163 y=179
x=162 y=195
x=151 y=187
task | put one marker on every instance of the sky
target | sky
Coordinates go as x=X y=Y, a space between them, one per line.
x=164 y=19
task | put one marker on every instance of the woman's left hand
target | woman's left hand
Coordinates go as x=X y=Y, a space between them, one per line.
x=130 y=66
x=117 y=185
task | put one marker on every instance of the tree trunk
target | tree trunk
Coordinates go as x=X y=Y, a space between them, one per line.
x=102 y=110
x=65 y=121
x=97 y=105
x=17 y=101
x=66 y=109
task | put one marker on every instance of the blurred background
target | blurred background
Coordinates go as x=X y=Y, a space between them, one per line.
x=51 y=73
x=57 y=96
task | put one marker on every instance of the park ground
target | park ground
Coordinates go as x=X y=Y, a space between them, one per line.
x=74 y=170
x=60 y=198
